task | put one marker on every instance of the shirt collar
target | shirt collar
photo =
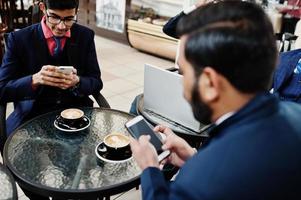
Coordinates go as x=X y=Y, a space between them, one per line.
x=223 y=118
x=47 y=32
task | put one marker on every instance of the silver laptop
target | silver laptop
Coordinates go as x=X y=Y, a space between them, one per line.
x=163 y=94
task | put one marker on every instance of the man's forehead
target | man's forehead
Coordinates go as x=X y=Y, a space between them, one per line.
x=58 y=12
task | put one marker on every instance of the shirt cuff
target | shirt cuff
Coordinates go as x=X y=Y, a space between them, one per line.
x=189 y=9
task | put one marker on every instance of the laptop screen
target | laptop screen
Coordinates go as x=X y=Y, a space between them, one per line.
x=163 y=94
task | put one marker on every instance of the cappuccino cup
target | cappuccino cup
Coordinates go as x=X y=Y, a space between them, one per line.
x=71 y=117
x=116 y=144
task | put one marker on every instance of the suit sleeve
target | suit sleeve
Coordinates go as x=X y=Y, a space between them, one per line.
x=14 y=86
x=286 y=64
x=154 y=185
x=90 y=81
x=188 y=184
x=170 y=28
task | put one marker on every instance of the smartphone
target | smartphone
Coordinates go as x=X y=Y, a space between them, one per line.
x=138 y=126
x=65 y=69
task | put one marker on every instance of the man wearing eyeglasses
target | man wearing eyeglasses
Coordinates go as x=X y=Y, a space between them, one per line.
x=29 y=74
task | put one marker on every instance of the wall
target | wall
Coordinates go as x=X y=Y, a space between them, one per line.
x=87 y=17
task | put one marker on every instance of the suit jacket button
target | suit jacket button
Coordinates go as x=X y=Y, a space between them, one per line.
x=58 y=102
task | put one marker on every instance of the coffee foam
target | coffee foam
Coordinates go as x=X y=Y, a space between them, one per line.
x=117 y=140
x=72 y=113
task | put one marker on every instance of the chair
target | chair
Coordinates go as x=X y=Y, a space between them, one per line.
x=3 y=29
x=15 y=16
x=99 y=98
x=286 y=41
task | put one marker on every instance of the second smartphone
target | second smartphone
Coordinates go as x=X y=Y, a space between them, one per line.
x=138 y=126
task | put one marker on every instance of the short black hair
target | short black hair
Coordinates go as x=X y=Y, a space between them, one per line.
x=236 y=39
x=61 y=4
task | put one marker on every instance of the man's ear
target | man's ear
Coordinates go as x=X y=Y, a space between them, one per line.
x=209 y=85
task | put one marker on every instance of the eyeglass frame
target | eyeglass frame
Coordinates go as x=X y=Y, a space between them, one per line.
x=74 y=20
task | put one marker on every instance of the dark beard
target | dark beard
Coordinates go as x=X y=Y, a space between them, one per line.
x=200 y=110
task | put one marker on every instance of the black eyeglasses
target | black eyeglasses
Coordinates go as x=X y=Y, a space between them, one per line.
x=55 y=20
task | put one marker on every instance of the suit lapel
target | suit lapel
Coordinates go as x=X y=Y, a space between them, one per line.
x=40 y=47
x=72 y=49
x=72 y=52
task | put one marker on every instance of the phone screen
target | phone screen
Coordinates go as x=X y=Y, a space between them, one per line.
x=142 y=128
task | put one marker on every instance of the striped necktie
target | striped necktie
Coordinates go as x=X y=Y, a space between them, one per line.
x=57 y=50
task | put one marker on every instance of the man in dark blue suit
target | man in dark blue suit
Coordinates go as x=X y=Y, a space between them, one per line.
x=227 y=56
x=170 y=28
x=287 y=77
x=29 y=75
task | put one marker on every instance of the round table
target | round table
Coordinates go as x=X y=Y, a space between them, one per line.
x=8 y=188
x=50 y=162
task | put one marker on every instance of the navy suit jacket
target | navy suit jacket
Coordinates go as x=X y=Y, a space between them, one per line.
x=254 y=154
x=285 y=69
x=27 y=52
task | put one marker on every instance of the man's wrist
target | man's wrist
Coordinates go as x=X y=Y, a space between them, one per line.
x=193 y=151
x=77 y=84
x=75 y=88
x=153 y=165
x=34 y=83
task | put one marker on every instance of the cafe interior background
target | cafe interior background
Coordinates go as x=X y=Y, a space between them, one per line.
x=129 y=35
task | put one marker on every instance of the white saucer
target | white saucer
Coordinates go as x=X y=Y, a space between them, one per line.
x=61 y=128
x=103 y=156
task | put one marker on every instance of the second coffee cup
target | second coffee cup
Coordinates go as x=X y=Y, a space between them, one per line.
x=116 y=143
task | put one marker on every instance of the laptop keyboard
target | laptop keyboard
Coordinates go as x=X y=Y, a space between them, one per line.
x=154 y=116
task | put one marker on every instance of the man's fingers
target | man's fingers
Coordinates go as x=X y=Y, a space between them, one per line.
x=53 y=74
x=134 y=144
x=167 y=145
x=48 y=68
x=52 y=79
x=133 y=141
x=144 y=139
x=159 y=128
x=163 y=129
x=51 y=83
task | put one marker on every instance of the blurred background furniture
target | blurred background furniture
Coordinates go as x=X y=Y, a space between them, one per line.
x=145 y=23
x=16 y=14
x=3 y=29
x=286 y=42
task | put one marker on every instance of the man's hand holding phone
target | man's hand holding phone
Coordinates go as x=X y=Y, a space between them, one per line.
x=54 y=76
x=180 y=150
x=144 y=152
x=147 y=148
x=70 y=76
x=65 y=69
